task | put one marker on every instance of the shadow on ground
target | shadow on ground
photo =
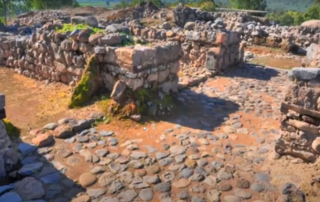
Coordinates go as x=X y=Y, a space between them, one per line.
x=199 y=111
x=252 y=71
x=36 y=176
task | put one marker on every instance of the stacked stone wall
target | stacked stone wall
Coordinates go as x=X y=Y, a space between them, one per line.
x=300 y=121
x=57 y=57
x=214 y=50
x=61 y=57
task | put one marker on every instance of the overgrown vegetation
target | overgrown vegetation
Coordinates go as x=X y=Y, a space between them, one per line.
x=12 y=131
x=125 y=4
x=205 y=5
x=11 y=7
x=136 y=102
x=249 y=4
x=72 y=27
x=87 y=85
x=295 y=17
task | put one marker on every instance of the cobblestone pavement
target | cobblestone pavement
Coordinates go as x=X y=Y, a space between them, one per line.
x=217 y=146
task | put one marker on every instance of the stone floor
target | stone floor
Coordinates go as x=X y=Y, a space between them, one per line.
x=217 y=146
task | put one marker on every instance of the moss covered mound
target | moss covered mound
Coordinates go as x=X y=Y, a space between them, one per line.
x=143 y=102
x=88 y=84
x=12 y=131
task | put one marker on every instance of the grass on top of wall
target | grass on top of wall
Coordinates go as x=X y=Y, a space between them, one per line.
x=71 y=27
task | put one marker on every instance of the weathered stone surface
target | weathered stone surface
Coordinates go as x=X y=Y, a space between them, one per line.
x=10 y=197
x=127 y=196
x=305 y=73
x=316 y=145
x=29 y=189
x=63 y=131
x=43 y=140
x=87 y=179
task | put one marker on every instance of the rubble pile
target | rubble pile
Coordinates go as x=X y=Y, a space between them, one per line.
x=300 y=136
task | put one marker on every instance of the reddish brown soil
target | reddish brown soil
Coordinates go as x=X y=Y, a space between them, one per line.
x=32 y=104
x=260 y=58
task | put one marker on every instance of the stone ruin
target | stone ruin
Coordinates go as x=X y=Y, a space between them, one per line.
x=8 y=156
x=300 y=134
x=128 y=57
x=254 y=30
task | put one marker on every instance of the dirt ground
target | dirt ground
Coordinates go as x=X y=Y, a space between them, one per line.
x=281 y=61
x=31 y=104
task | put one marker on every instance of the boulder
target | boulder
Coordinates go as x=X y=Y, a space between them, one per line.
x=113 y=28
x=111 y=40
x=118 y=90
x=63 y=131
x=305 y=73
x=91 y=21
x=29 y=189
x=189 y=25
x=88 y=20
x=43 y=140
x=166 y=26
x=311 y=24
x=312 y=52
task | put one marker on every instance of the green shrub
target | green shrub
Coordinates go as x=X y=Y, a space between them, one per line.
x=208 y=6
x=294 y=17
x=312 y=13
x=71 y=27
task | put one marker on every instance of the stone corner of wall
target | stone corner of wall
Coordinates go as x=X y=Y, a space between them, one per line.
x=300 y=116
x=2 y=107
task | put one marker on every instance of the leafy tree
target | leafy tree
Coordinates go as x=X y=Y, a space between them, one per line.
x=52 y=4
x=208 y=6
x=249 y=4
x=313 y=12
x=125 y=4
x=7 y=6
x=122 y=4
x=287 y=17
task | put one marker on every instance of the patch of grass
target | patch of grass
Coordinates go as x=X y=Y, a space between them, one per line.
x=136 y=102
x=87 y=85
x=144 y=96
x=71 y=27
x=282 y=63
x=97 y=122
x=114 y=110
x=12 y=131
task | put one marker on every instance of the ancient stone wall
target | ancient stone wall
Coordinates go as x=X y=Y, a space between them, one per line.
x=142 y=66
x=62 y=58
x=300 y=136
x=254 y=30
x=215 y=50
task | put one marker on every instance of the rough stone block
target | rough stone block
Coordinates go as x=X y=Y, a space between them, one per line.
x=149 y=55
x=2 y=101
x=111 y=40
x=128 y=57
x=213 y=59
x=221 y=38
x=306 y=74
